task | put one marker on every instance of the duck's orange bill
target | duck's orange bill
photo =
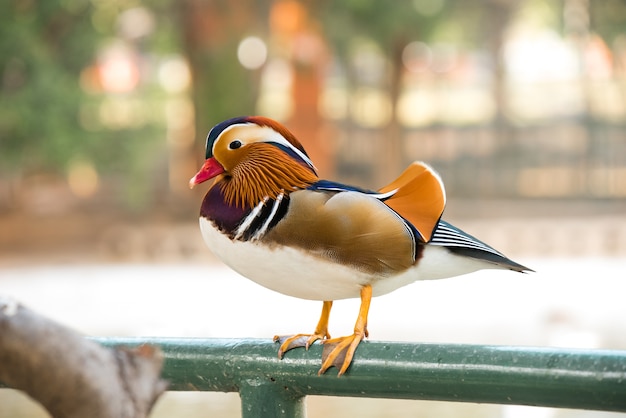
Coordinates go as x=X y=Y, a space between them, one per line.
x=210 y=169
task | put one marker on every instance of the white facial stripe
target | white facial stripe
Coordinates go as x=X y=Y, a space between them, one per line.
x=279 y=139
x=268 y=135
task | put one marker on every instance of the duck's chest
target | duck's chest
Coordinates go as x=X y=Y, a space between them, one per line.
x=284 y=269
x=232 y=233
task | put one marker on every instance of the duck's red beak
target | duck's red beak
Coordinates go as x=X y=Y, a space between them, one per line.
x=210 y=169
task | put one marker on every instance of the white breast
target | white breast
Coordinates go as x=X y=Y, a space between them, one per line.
x=292 y=272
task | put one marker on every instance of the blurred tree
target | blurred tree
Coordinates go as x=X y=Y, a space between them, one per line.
x=212 y=30
x=392 y=27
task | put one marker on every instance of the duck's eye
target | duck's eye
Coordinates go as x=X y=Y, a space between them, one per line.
x=235 y=144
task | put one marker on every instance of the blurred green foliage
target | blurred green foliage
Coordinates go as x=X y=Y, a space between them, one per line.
x=46 y=117
x=49 y=119
x=43 y=49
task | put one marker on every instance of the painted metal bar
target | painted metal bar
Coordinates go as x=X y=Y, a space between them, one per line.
x=552 y=377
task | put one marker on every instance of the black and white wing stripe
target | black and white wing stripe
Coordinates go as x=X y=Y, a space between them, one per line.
x=462 y=243
x=448 y=235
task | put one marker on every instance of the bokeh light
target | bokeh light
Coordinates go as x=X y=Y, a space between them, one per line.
x=275 y=99
x=417 y=57
x=371 y=107
x=135 y=23
x=174 y=75
x=83 y=178
x=117 y=69
x=252 y=52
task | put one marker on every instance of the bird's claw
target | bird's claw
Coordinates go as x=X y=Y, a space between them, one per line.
x=338 y=352
x=287 y=342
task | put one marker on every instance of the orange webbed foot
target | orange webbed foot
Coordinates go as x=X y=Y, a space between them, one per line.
x=339 y=352
x=287 y=342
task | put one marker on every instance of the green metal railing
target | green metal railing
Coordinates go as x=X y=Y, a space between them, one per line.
x=269 y=387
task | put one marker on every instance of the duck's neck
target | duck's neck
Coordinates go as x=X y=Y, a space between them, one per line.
x=265 y=175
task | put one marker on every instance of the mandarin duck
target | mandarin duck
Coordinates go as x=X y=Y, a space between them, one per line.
x=273 y=220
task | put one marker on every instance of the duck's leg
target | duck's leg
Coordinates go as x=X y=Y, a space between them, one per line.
x=305 y=340
x=338 y=352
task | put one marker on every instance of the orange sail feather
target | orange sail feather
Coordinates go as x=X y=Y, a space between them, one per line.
x=420 y=198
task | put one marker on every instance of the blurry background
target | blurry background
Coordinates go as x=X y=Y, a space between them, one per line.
x=519 y=104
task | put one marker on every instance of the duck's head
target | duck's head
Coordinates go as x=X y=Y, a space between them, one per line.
x=255 y=158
